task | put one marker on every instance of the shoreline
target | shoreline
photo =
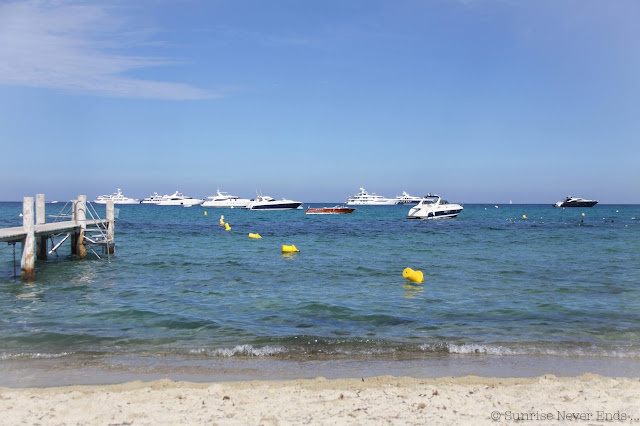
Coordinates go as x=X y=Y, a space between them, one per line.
x=588 y=398
x=117 y=369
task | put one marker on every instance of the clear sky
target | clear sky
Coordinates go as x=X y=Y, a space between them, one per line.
x=476 y=100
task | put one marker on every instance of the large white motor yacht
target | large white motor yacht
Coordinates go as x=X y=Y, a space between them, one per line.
x=178 y=199
x=407 y=199
x=117 y=198
x=363 y=198
x=434 y=207
x=264 y=202
x=575 y=202
x=154 y=199
x=224 y=200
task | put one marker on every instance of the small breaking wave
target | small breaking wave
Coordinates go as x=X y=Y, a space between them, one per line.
x=5 y=356
x=241 y=350
x=322 y=349
x=567 y=350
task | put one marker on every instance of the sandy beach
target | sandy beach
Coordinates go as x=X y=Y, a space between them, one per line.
x=587 y=399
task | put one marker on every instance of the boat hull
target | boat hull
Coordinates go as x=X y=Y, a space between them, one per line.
x=188 y=202
x=225 y=205
x=117 y=202
x=443 y=214
x=275 y=206
x=371 y=203
x=329 y=210
x=589 y=203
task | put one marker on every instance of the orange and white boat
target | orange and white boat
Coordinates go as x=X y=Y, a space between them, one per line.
x=329 y=210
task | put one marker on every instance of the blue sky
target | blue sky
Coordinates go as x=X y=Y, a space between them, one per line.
x=477 y=100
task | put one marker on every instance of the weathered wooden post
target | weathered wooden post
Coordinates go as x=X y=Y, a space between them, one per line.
x=74 y=235
x=41 y=242
x=81 y=218
x=28 y=261
x=111 y=223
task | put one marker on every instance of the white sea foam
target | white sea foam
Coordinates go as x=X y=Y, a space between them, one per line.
x=621 y=352
x=570 y=351
x=4 y=356
x=241 y=350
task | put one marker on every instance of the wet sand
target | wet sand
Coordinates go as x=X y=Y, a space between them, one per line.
x=105 y=370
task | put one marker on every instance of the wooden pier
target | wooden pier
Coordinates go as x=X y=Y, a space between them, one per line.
x=35 y=232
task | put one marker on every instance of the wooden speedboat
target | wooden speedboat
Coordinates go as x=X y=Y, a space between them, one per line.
x=329 y=210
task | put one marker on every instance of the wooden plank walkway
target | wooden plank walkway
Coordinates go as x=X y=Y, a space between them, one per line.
x=34 y=232
x=18 y=233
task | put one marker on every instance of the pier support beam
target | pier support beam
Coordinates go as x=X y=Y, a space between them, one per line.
x=80 y=210
x=41 y=242
x=111 y=223
x=74 y=235
x=28 y=261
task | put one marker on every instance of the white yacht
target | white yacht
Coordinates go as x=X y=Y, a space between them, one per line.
x=434 y=207
x=363 y=198
x=575 y=202
x=178 y=199
x=264 y=202
x=224 y=200
x=154 y=199
x=117 y=198
x=407 y=199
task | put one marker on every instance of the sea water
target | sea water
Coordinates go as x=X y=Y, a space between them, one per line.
x=501 y=283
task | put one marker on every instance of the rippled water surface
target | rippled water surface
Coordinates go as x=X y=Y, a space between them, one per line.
x=555 y=283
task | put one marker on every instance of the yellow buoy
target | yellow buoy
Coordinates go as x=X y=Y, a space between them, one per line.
x=289 y=249
x=205 y=212
x=582 y=214
x=252 y=235
x=227 y=227
x=413 y=276
x=524 y=216
x=222 y=220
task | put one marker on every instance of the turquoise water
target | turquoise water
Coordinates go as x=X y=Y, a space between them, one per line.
x=557 y=284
